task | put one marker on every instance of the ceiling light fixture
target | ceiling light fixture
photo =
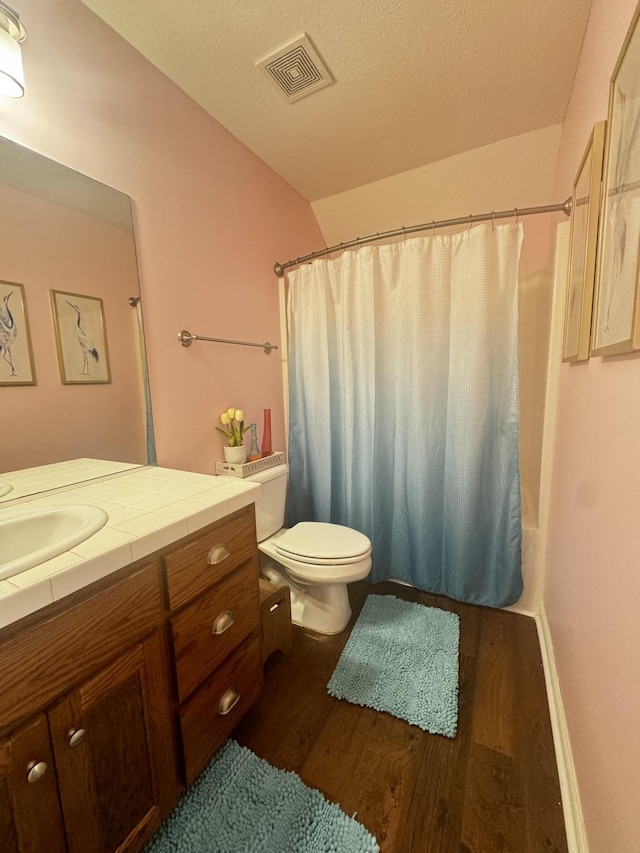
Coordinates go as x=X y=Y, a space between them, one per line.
x=11 y=34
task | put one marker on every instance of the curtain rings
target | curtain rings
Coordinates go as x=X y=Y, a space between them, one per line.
x=515 y=213
x=493 y=220
x=404 y=234
x=433 y=225
x=326 y=252
x=469 y=222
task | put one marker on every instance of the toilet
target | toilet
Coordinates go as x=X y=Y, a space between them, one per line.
x=316 y=560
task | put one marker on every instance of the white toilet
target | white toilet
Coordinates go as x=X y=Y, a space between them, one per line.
x=314 y=559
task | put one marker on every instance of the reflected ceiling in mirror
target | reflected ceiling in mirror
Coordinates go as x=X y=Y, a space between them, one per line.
x=63 y=231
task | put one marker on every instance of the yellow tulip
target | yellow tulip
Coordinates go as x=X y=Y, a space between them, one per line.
x=239 y=415
x=231 y=413
x=224 y=417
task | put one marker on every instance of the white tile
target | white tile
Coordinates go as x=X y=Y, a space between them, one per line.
x=207 y=516
x=108 y=490
x=123 y=513
x=187 y=491
x=25 y=601
x=179 y=509
x=6 y=588
x=240 y=501
x=45 y=570
x=210 y=497
x=70 y=498
x=160 y=538
x=102 y=542
x=153 y=502
x=143 y=524
x=90 y=570
x=158 y=487
x=185 y=477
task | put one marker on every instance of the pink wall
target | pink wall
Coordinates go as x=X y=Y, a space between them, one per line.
x=592 y=588
x=49 y=247
x=210 y=218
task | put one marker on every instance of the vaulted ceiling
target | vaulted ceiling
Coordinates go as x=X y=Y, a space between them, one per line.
x=415 y=80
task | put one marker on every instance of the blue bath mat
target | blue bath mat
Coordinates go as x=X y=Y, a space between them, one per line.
x=402 y=658
x=241 y=804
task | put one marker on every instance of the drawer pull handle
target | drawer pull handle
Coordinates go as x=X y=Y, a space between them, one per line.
x=76 y=736
x=274 y=607
x=228 y=701
x=222 y=622
x=217 y=554
x=35 y=771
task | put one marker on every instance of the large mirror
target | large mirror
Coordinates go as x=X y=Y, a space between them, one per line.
x=72 y=365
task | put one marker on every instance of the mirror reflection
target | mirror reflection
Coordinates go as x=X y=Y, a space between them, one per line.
x=72 y=364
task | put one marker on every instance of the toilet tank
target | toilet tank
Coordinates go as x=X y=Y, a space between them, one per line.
x=270 y=504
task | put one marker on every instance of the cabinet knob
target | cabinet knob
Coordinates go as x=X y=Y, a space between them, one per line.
x=75 y=736
x=222 y=622
x=228 y=701
x=35 y=771
x=217 y=554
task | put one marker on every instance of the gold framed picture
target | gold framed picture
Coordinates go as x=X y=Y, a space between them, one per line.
x=16 y=354
x=583 y=248
x=616 y=320
x=81 y=338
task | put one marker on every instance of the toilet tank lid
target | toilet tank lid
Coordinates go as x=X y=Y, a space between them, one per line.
x=269 y=474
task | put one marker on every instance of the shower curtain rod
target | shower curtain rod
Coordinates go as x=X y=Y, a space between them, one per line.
x=565 y=207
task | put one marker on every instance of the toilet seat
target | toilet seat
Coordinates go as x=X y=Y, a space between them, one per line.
x=323 y=544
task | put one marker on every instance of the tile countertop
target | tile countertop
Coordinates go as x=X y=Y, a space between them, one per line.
x=149 y=508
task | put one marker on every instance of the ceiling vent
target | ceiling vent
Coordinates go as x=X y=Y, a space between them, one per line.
x=296 y=69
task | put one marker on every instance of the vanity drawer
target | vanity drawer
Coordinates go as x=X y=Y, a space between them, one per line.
x=210 y=628
x=203 y=723
x=204 y=560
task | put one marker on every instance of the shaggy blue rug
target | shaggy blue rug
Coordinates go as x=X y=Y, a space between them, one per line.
x=241 y=804
x=402 y=658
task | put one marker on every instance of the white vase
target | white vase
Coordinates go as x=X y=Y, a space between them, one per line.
x=235 y=455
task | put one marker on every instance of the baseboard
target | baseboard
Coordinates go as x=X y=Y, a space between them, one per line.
x=572 y=808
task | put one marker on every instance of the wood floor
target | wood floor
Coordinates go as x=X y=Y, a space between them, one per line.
x=493 y=789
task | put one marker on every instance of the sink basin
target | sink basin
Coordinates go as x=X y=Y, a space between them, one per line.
x=5 y=488
x=31 y=535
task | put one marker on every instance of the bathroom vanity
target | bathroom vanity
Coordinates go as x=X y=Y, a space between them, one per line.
x=115 y=694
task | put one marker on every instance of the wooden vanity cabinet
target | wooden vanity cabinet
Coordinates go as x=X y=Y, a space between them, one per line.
x=104 y=694
x=90 y=770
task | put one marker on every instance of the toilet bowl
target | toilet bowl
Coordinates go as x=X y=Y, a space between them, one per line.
x=316 y=560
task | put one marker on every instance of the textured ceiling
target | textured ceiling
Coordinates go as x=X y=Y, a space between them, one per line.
x=416 y=80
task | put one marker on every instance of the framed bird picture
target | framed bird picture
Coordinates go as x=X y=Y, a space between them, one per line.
x=16 y=356
x=81 y=338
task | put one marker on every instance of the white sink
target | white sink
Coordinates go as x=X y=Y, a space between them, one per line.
x=31 y=535
x=5 y=488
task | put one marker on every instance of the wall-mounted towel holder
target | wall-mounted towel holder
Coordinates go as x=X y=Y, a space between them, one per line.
x=186 y=339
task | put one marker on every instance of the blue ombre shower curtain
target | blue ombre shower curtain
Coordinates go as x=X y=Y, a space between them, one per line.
x=403 y=371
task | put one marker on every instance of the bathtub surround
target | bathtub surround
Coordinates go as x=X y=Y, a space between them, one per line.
x=404 y=407
x=402 y=658
x=240 y=802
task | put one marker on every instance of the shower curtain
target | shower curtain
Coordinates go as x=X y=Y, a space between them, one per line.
x=403 y=370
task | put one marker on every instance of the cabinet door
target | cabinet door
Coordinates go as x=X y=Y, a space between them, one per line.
x=30 y=820
x=112 y=740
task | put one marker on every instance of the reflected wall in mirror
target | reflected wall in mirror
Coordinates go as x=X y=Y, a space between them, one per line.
x=64 y=231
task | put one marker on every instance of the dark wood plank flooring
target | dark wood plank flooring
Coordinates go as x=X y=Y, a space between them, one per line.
x=492 y=789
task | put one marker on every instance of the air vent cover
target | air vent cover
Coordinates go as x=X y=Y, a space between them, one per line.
x=296 y=69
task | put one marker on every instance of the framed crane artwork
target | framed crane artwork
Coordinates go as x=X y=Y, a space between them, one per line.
x=81 y=338
x=16 y=356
